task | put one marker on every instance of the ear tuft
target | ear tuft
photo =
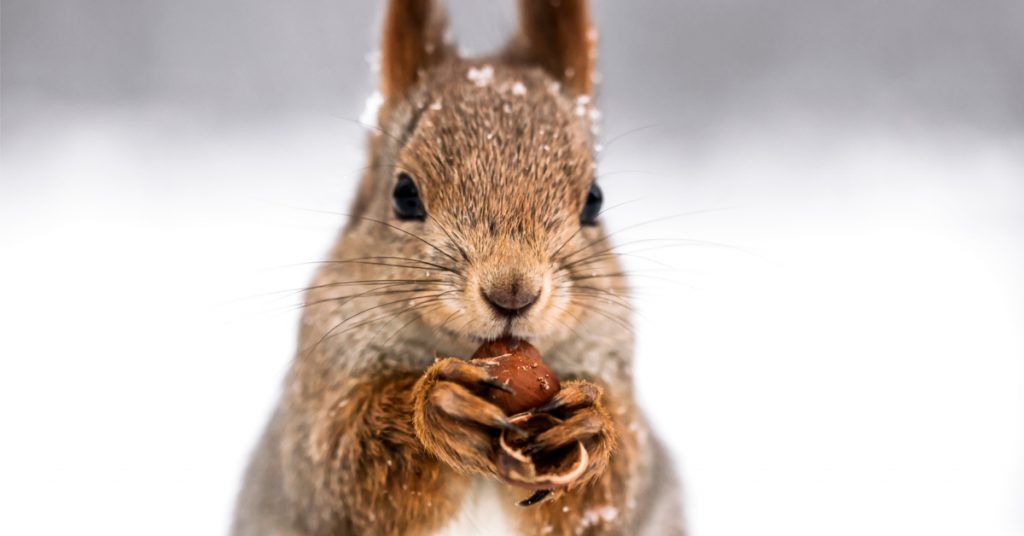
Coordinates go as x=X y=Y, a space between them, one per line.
x=413 y=39
x=557 y=35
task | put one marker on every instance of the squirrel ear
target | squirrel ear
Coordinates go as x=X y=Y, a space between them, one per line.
x=558 y=36
x=412 y=41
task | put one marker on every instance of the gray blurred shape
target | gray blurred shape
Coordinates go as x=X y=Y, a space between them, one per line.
x=682 y=63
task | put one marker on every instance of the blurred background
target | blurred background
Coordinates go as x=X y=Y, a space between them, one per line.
x=842 y=353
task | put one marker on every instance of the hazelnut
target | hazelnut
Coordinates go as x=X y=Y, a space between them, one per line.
x=516 y=364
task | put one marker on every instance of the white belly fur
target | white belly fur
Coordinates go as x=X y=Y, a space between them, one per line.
x=482 y=512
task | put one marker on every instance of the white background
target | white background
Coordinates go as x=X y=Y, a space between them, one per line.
x=844 y=356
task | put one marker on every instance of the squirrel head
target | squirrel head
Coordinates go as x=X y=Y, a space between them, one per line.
x=482 y=173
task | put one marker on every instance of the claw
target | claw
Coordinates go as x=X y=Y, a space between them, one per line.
x=533 y=449
x=549 y=406
x=535 y=498
x=514 y=429
x=536 y=448
x=579 y=427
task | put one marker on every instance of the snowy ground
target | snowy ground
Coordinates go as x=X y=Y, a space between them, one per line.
x=849 y=359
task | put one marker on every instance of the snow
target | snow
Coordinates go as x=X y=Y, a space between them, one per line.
x=582 y=106
x=480 y=76
x=372 y=59
x=593 y=516
x=371 y=109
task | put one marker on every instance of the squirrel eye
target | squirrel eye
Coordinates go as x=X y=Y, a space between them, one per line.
x=592 y=208
x=406 y=199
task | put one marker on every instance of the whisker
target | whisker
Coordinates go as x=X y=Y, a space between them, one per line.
x=330 y=332
x=628 y=133
x=372 y=261
x=446 y=320
x=619 y=293
x=593 y=307
x=675 y=242
x=409 y=323
x=292 y=291
x=634 y=226
x=414 y=235
x=632 y=172
x=353 y=283
x=564 y=323
x=438 y=266
x=368 y=294
x=581 y=227
x=465 y=256
x=593 y=294
x=460 y=331
x=369 y=126
x=631 y=275
x=427 y=301
x=593 y=301
x=598 y=257
x=388 y=225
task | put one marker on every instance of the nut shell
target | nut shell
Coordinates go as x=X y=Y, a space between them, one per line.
x=517 y=364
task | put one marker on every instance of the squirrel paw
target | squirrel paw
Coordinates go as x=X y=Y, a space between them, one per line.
x=584 y=419
x=452 y=420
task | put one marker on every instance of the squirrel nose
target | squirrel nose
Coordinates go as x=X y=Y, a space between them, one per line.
x=511 y=301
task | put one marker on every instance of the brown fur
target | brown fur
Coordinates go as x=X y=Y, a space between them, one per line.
x=557 y=35
x=373 y=434
x=412 y=41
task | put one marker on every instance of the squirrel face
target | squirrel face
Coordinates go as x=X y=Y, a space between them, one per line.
x=487 y=169
x=497 y=170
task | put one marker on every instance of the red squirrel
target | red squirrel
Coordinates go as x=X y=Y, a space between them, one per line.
x=477 y=218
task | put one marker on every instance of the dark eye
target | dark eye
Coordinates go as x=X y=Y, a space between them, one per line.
x=406 y=199
x=593 y=205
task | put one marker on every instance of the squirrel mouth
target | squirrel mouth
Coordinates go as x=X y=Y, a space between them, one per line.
x=488 y=331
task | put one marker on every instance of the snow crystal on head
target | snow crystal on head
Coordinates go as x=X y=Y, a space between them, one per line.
x=585 y=108
x=373 y=60
x=518 y=89
x=480 y=77
x=370 y=110
x=582 y=104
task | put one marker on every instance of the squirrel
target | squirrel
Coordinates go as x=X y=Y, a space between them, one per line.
x=478 y=217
